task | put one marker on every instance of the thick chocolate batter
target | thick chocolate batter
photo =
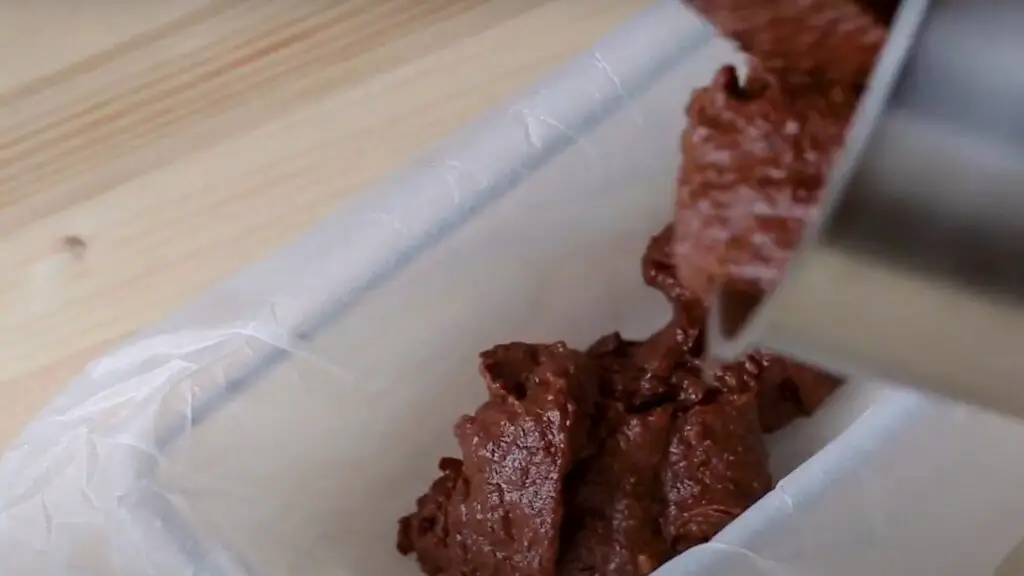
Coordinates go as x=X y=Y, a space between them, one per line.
x=716 y=467
x=755 y=158
x=613 y=523
x=834 y=41
x=785 y=389
x=604 y=462
x=756 y=152
x=613 y=460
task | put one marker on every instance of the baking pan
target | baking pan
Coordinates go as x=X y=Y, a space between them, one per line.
x=283 y=422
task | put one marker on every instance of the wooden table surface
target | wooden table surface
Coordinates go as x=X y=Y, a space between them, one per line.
x=149 y=149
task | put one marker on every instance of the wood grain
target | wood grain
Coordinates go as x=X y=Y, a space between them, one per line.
x=148 y=152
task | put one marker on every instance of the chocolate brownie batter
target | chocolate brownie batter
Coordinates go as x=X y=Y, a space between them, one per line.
x=785 y=389
x=604 y=462
x=716 y=466
x=425 y=532
x=613 y=460
x=517 y=448
x=755 y=158
x=756 y=152
x=613 y=524
x=659 y=370
x=835 y=41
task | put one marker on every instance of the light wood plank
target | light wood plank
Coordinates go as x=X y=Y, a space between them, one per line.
x=196 y=141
